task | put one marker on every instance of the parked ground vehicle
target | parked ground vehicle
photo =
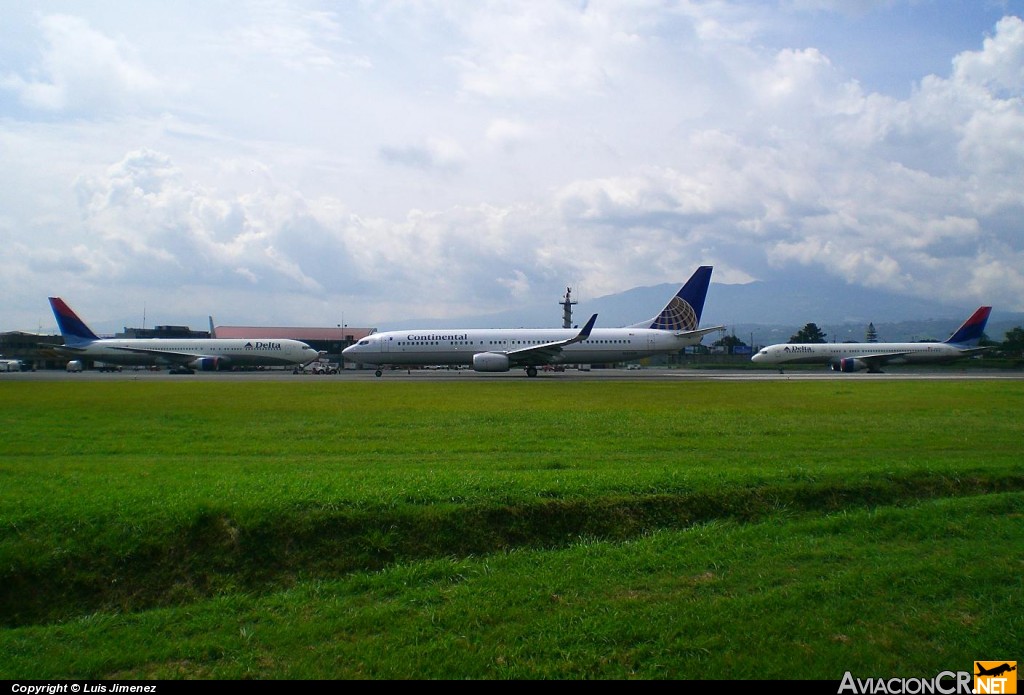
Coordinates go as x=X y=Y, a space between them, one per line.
x=317 y=368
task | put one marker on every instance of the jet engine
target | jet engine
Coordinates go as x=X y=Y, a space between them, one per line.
x=490 y=362
x=206 y=364
x=848 y=364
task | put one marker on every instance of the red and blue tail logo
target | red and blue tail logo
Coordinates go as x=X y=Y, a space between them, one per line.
x=73 y=329
x=972 y=329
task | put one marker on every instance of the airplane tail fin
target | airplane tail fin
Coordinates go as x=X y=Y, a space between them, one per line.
x=682 y=313
x=971 y=330
x=73 y=329
x=213 y=331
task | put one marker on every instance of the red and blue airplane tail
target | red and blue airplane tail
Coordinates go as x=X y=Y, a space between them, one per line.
x=972 y=329
x=73 y=329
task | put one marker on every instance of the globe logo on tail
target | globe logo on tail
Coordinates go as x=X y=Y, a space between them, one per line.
x=677 y=316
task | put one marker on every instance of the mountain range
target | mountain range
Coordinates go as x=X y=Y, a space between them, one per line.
x=759 y=313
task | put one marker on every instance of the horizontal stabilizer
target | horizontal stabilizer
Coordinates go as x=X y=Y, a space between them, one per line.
x=701 y=331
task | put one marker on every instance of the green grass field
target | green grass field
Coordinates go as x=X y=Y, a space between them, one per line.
x=509 y=529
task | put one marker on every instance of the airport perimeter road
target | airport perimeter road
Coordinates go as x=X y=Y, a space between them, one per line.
x=349 y=375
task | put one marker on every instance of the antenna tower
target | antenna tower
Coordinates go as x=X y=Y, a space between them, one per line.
x=567 y=303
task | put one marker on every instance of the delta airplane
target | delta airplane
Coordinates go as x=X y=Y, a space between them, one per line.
x=502 y=349
x=852 y=357
x=80 y=343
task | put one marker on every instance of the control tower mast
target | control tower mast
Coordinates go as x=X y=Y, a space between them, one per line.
x=567 y=308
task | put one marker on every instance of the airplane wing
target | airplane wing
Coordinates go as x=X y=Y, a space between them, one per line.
x=548 y=353
x=877 y=360
x=170 y=356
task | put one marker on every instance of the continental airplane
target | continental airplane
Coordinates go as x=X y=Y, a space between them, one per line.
x=186 y=354
x=852 y=357
x=503 y=349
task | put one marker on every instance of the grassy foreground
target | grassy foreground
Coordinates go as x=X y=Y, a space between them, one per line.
x=520 y=529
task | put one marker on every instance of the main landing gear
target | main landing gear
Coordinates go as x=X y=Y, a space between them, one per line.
x=531 y=371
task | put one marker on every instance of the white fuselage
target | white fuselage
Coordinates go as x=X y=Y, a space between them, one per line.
x=825 y=353
x=241 y=352
x=458 y=346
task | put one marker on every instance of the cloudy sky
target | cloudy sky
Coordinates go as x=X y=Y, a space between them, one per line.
x=308 y=163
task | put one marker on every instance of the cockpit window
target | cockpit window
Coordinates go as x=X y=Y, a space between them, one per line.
x=364 y=342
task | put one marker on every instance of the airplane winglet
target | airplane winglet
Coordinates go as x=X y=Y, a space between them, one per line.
x=585 y=332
